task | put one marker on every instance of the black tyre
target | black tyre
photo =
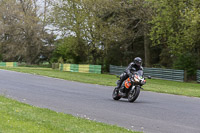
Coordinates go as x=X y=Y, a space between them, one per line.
x=115 y=95
x=133 y=95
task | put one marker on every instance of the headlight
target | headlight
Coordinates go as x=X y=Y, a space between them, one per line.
x=136 y=79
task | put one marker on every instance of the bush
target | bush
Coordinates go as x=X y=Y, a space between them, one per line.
x=187 y=62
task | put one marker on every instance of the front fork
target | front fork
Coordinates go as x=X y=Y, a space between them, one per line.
x=133 y=88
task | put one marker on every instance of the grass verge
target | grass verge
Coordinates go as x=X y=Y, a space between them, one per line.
x=156 y=85
x=18 y=117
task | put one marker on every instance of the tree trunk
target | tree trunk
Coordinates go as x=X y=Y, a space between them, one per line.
x=147 y=42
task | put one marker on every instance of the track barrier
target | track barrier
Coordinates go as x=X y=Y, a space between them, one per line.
x=83 y=68
x=158 y=73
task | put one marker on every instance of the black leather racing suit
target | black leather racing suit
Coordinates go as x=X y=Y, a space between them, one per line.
x=128 y=73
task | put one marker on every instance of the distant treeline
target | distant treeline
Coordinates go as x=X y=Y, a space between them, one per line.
x=163 y=33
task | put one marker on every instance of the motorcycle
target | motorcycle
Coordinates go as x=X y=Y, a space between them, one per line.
x=131 y=86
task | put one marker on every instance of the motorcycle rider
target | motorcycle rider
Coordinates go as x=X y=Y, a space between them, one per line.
x=133 y=66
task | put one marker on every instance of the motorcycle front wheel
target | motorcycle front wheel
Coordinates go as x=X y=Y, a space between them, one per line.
x=133 y=94
x=115 y=94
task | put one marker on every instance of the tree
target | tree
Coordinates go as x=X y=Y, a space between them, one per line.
x=22 y=35
x=176 y=28
x=172 y=25
x=106 y=26
x=131 y=18
x=70 y=18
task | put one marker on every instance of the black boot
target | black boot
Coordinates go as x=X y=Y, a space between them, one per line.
x=122 y=92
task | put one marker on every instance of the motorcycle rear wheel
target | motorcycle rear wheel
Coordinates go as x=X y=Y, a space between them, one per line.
x=115 y=94
x=133 y=95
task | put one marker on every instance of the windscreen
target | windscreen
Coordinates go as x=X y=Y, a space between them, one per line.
x=140 y=73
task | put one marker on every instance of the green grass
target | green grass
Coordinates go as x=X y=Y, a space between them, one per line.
x=156 y=85
x=173 y=87
x=16 y=117
x=101 y=79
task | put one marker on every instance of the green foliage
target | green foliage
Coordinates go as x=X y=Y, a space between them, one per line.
x=175 y=26
x=168 y=25
x=81 y=31
x=60 y=60
x=110 y=29
x=186 y=61
x=166 y=58
x=1 y=58
x=100 y=31
x=70 y=50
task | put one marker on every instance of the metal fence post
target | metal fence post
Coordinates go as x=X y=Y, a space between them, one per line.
x=198 y=76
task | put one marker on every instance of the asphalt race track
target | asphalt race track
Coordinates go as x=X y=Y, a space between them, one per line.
x=151 y=113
